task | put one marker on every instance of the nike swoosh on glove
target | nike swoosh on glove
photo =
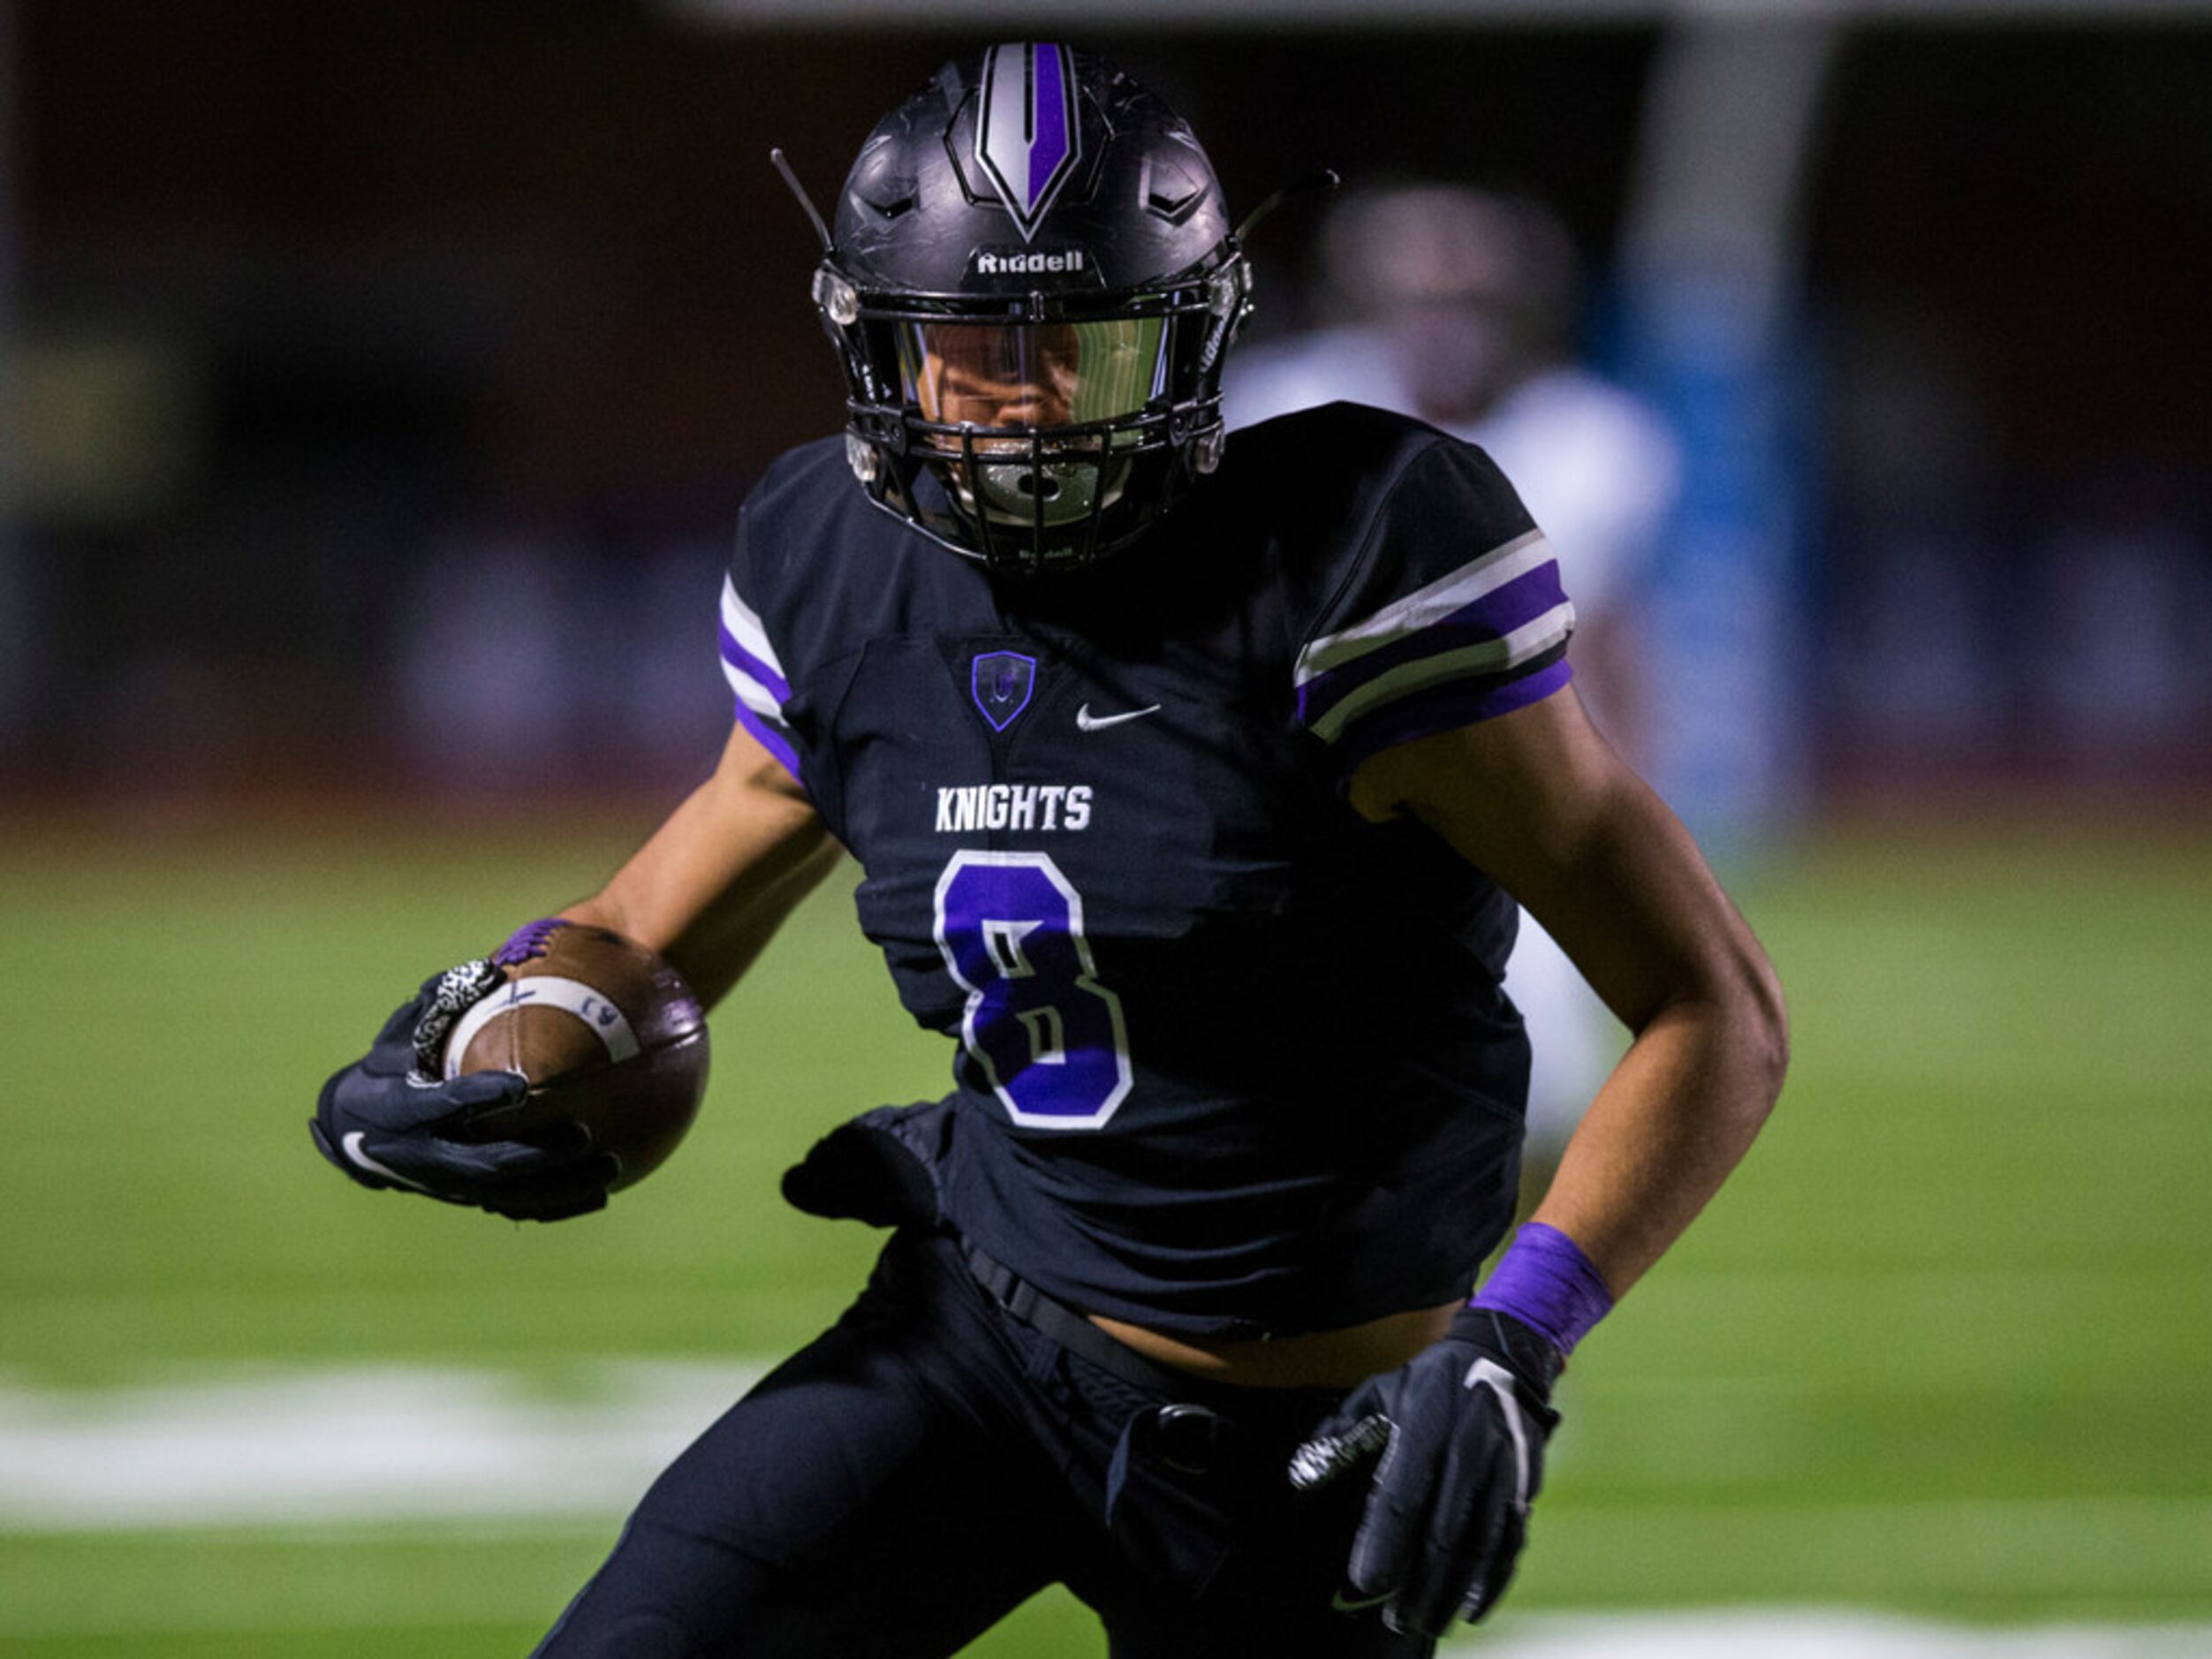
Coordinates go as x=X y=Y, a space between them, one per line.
x=1460 y=1428
x=389 y=1121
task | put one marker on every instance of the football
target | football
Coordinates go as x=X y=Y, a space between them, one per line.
x=608 y=1032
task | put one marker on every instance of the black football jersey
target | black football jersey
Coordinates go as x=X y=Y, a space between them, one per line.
x=1231 y=1060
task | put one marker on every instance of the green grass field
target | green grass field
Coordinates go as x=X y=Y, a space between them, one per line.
x=1943 y=1347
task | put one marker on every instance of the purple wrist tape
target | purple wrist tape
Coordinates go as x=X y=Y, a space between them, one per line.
x=1545 y=1281
x=526 y=942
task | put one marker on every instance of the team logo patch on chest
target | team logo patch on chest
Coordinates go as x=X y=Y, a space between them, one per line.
x=1002 y=683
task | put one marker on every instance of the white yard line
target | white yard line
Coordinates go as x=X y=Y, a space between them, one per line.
x=507 y=1455
x=358 y=1445
x=1785 y=1633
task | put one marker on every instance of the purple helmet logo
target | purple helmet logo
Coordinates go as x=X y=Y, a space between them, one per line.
x=1027 y=136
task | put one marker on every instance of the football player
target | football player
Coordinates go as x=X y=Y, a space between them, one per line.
x=1190 y=783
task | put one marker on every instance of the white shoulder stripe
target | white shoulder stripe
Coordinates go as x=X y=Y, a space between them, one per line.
x=745 y=624
x=754 y=696
x=1426 y=605
x=1489 y=656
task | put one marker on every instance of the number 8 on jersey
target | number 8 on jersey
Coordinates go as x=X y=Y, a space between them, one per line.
x=1046 y=1032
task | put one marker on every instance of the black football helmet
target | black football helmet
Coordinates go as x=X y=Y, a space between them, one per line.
x=1031 y=281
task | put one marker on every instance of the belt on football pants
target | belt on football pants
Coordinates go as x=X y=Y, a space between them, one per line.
x=1048 y=1316
x=1182 y=1436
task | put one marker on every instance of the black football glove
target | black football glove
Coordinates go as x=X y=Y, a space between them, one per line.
x=389 y=1121
x=1461 y=1429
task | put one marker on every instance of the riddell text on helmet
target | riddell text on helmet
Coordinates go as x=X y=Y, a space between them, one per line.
x=990 y=262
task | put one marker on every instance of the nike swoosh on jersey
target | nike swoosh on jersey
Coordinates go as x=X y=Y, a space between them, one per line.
x=1086 y=721
x=1345 y=1604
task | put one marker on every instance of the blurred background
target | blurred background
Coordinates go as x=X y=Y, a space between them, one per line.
x=377 y=386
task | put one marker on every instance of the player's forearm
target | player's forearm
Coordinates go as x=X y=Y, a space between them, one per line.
x=1676 y=1116
x=711 y=935
x=713 y=882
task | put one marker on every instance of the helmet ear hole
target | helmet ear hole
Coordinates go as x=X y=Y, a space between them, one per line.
x=1031 y=281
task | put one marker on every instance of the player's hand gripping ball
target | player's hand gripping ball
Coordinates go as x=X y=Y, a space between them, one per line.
x=609 y=1036
x=531 y=1084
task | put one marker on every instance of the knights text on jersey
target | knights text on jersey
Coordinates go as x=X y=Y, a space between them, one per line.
x=1230 y=1059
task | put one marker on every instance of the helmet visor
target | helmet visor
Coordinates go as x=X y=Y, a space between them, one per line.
x=1024 y=376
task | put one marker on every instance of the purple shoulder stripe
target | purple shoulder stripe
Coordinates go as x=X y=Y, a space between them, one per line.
x=1492 y=619
x=736 y=656
x=1444 y=653
x=1446 y=707
x=771 y=740
x=756 y=678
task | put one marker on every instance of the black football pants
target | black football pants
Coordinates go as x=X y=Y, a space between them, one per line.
x=928 y=1462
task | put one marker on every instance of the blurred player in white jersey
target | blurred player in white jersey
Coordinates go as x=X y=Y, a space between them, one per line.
x=1455 y=306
